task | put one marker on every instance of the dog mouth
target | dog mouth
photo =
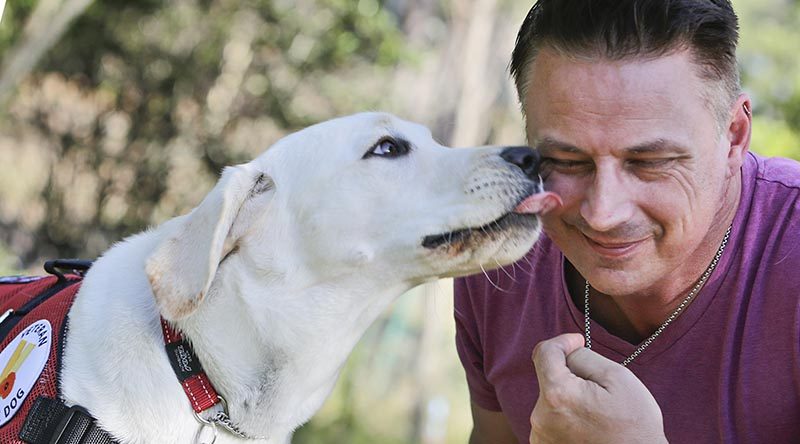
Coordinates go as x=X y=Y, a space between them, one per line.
x=524 y=215
x=463 y=235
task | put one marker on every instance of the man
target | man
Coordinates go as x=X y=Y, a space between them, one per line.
x=676 y=253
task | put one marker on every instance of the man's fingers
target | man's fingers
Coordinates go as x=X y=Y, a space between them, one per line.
x=550 y=358
x=596 y=368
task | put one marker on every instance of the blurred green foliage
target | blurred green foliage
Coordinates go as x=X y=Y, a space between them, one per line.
x=14 y=16
x=770 y=38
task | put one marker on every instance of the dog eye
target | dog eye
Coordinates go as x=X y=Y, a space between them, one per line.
x=389 y=147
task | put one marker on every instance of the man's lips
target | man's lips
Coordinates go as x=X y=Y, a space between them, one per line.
x=613 y=248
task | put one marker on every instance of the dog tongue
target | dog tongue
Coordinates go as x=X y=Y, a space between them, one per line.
x=539 y=203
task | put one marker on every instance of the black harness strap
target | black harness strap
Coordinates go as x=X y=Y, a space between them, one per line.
x=50 y=421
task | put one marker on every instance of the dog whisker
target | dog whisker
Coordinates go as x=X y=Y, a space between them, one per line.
x=488 y=278
x=501 y=268
x=514 y=269
x=529 y=270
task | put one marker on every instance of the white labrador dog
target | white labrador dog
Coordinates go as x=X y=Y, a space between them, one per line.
x=275 y=276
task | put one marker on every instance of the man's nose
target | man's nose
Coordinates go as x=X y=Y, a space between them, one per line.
x=526 y=158
x=608 y=202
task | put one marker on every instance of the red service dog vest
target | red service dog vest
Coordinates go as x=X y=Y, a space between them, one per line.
x=33 y=323
x=34 y=311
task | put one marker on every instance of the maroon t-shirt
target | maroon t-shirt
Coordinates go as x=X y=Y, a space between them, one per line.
x=727 y=370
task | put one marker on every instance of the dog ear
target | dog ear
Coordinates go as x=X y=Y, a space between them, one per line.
x=182 y=267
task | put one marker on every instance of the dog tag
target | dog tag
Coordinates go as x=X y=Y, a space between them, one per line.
x=22 y=361
x=198 y=437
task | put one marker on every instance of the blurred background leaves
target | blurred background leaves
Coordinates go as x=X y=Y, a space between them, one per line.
x=118 y=114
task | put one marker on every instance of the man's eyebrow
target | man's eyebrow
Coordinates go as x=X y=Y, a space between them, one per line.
x=657 y=146
x=548 y=145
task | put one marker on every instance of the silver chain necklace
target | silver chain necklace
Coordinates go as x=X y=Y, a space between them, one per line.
x=672 y=317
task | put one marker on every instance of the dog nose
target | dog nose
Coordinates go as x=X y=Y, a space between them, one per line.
x=524 y=157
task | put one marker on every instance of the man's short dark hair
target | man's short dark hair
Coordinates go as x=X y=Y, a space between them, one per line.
x=626 y=29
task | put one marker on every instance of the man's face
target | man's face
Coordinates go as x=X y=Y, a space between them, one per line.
x=634 y=151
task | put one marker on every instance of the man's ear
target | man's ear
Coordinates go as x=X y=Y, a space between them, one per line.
x=181 y=268
x=738 y=132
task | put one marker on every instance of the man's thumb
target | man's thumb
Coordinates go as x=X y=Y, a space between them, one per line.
x=550 y=357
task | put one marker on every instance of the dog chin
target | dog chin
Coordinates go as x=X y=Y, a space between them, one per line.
x=492 y=245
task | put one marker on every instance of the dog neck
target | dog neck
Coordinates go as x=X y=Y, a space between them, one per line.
x=289 y=339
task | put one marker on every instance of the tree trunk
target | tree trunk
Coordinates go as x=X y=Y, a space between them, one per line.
x=48 y=22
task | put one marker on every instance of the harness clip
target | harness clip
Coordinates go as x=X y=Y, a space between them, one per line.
x=78 y=266
x=71 y=420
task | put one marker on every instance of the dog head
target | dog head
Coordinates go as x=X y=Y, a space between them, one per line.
x=368 y=195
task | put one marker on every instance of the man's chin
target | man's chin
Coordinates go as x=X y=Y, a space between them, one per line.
x=619 y=282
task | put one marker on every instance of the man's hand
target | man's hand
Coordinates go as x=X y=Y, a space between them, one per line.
x=586 y=398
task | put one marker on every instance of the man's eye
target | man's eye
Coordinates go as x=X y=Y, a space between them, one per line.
x=389 y=147
x=649 y=163
x=565 y=164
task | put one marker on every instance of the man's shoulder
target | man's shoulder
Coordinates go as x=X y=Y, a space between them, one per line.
x=771 y=239
x=775 y=192
x=778 y=170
